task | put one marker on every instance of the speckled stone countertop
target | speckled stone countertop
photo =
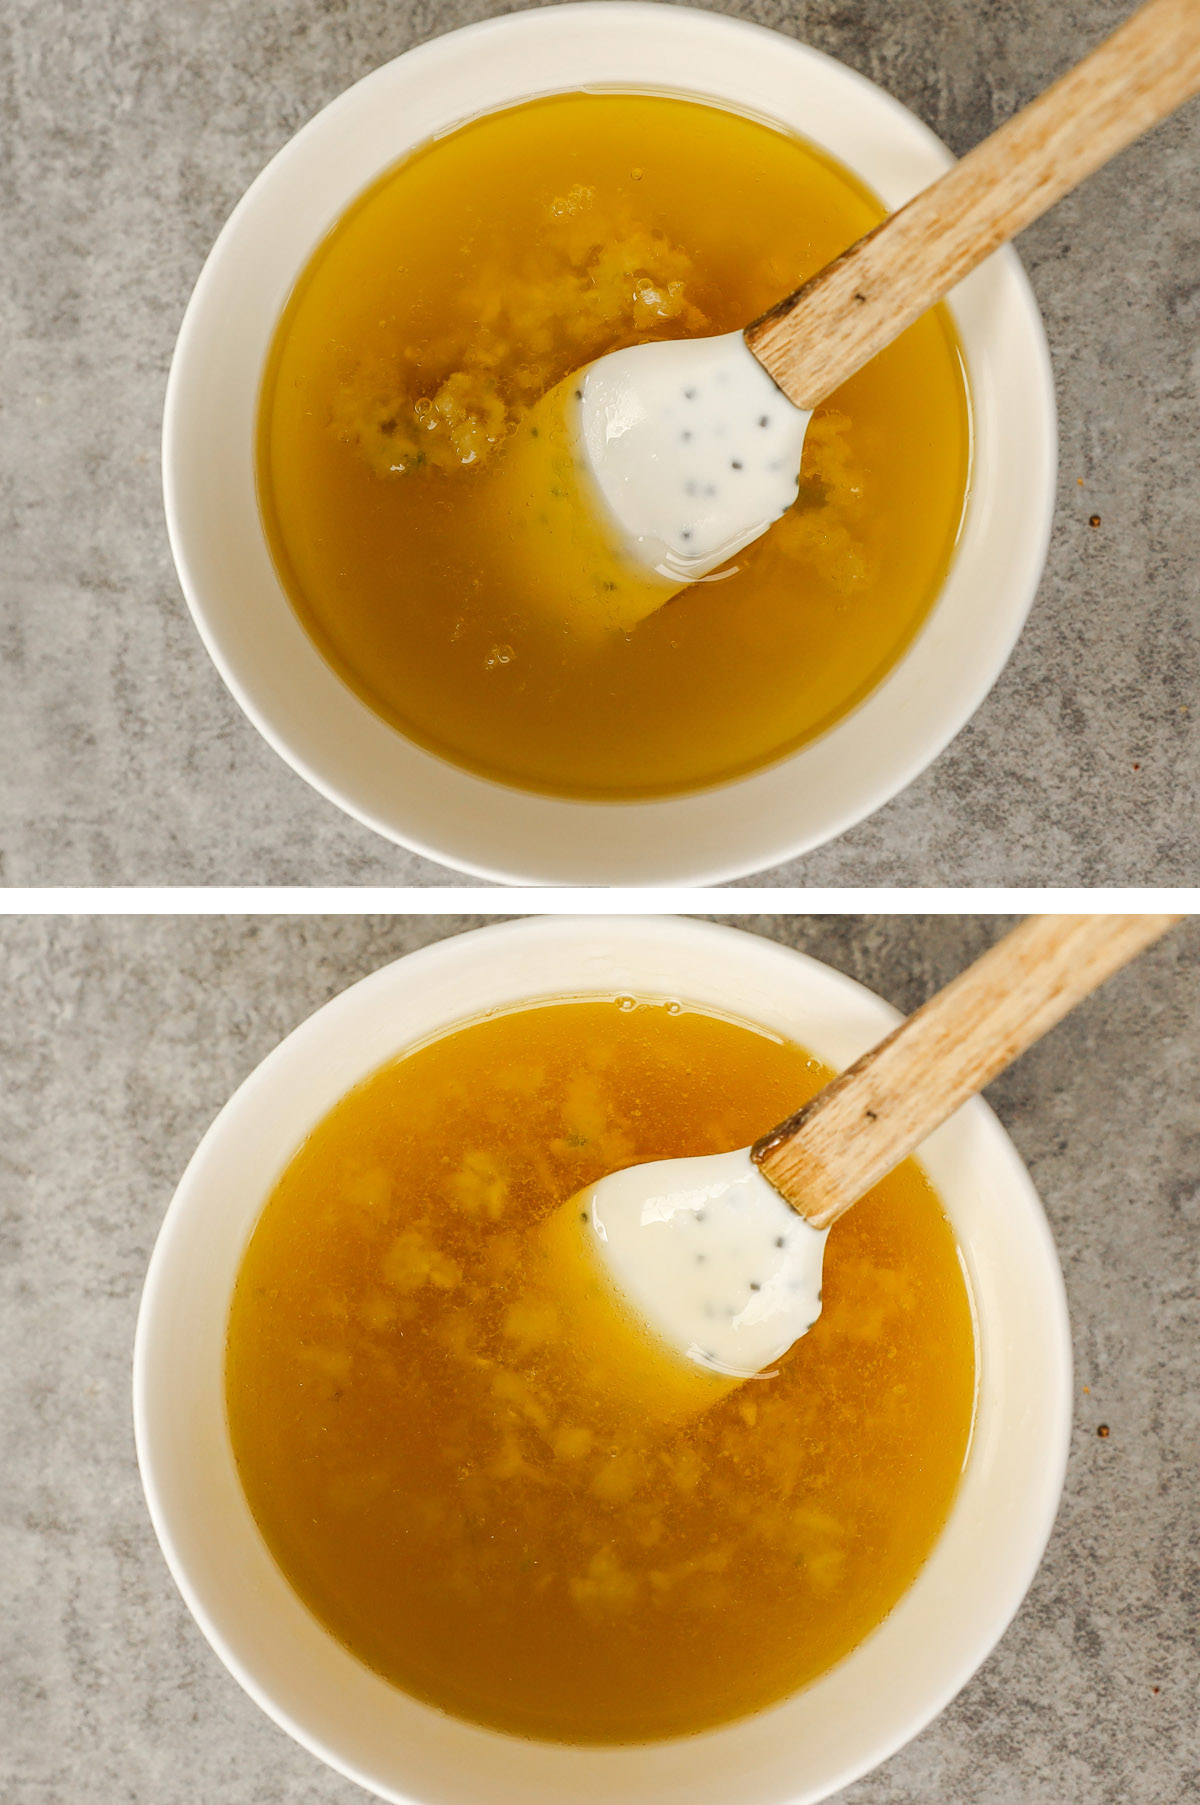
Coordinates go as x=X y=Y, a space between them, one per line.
x=132 y=126
x=119 y=1041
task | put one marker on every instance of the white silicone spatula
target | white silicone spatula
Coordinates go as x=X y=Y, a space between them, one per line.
x=684 y=451
x=720 y=1257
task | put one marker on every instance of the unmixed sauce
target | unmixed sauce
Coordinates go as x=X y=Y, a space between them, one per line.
x=446 y=1499
x=453 y=295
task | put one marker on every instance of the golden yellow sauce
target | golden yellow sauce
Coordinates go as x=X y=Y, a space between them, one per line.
x=430 y=1481
x=454 y=294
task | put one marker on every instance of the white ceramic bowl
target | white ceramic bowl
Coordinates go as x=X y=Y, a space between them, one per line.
x=792 y=1754
x=317 y=722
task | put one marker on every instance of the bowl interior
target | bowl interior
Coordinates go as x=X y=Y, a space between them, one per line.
x=798 y=1751
x=321 y=727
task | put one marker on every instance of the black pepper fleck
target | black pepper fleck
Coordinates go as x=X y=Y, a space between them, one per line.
x=686 y=437
x=754 y=1285
x=735 y=463
x=689 y=394
x=779 y=1241
x=764 y=420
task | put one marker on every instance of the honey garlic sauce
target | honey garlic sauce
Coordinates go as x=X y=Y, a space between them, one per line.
x=418 y=491
x=514 y=1501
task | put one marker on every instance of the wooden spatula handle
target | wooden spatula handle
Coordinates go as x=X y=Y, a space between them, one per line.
x=850 y=1136
x=818 y=337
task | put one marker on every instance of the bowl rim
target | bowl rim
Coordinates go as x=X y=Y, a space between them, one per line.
x=865 y=1016
x=737 y=827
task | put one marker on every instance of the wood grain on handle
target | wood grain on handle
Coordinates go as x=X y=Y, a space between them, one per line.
x=817 y=338
x=868 y=1120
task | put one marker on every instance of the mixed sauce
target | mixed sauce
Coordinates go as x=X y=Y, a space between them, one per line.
x=397 y=406
x=477 y=1514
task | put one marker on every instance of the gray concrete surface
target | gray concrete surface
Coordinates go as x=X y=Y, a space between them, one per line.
x=119 y=1041
x=130 y=129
